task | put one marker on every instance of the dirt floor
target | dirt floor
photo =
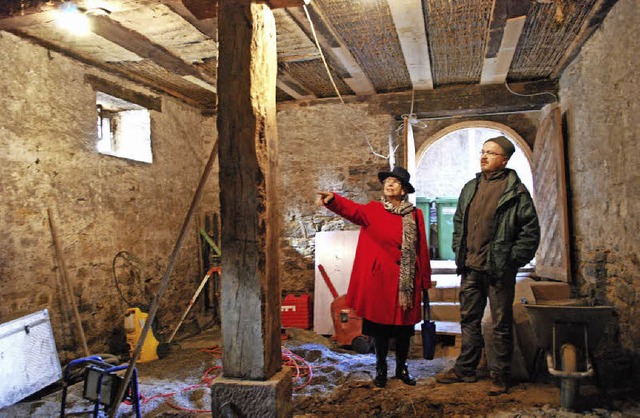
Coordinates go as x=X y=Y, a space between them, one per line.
x=334 y=382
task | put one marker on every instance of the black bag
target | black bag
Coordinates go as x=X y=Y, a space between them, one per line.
x=428 y=329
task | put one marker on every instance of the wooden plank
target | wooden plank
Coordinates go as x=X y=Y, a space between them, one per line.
x=208 y=26
x=553 y=258
x=460 y=100
x=250 y=297
x=119 y=71
x=202 y=9
x=408 y=18
x=143 y=47
x=278 y=4
x=495 y=70
x=336 y=53
x=290 y=86
x=116 y=90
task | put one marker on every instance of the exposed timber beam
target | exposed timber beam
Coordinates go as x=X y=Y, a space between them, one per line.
x=118 y=34
x=119 y=71
x=334 y=49
x=458 y=100
x=289 y=85
x=408 y=17
x=207 y=25
x=277 y=4
x=495 y=69
x=140 y=45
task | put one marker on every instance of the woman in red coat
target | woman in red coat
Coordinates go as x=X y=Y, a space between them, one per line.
x=390 y=269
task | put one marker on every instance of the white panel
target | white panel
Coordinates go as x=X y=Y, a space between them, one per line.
x=28 y=357
x=409 y=20
x=495 y=70
x=335 y=250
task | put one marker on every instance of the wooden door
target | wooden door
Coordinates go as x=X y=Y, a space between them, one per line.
x=553 y=258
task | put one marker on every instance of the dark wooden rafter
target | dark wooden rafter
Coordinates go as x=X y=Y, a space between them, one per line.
x=206 y=22
x=112 y=69
x=503 y=10
x=278 y=4
x=460 y=100
x=116 y=90
x=475 y=100
x=116 y=33
x=140 y=45
x=597 y=15
x=335 y=51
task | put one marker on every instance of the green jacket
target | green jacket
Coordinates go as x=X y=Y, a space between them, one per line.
x=516 y=232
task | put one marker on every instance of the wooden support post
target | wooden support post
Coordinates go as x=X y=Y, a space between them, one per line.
x=250 y=304
x=250 y=296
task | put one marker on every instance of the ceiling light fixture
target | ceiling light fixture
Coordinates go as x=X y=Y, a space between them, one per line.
x=72 y=19
x=75 y=19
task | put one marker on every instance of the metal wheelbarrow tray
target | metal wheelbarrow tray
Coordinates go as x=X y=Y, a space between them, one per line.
x=569 y=335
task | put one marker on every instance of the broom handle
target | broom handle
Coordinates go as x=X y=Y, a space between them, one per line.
x=327 y=280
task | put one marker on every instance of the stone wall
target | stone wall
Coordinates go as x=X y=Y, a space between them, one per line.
x=599 y=95
x=101 y=205
x=323 y=146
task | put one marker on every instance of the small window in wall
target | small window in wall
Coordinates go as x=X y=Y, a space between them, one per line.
x=124 y=128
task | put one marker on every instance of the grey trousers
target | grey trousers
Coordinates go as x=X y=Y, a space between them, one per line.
x=475 y=288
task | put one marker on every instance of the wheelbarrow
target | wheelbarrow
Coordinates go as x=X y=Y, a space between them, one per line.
x=568 y=334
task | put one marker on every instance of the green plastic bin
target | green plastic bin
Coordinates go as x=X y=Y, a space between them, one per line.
x=424 y=203
x=445 y=208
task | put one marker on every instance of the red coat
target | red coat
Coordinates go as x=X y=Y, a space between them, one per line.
x=373 y=288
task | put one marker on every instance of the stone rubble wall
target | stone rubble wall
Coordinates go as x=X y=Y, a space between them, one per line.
x=101 y=205
x=599 y=97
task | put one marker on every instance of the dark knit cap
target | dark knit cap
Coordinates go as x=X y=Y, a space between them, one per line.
x=505 y=144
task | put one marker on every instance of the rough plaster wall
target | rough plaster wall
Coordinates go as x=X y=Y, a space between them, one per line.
x=323 y=147
x=600 y=93
x=101 y=204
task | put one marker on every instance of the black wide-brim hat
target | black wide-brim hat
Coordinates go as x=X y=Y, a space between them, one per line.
x=401 y=174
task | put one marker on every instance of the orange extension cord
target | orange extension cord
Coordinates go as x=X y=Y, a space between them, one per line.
x=301 y=370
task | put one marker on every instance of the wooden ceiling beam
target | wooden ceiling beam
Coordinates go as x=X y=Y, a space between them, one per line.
x=208 y=26
x=591 y=23
x=140 y=45
x=278 y=4
x=408 y=18
x=495 y=69
x=456 y=101
x=289 y=85
x=116 y=33
x=24 y=21
x=335 y=50
x=112 y=69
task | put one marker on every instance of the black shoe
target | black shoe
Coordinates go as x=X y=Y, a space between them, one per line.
x=381 y=377
x=403 y=374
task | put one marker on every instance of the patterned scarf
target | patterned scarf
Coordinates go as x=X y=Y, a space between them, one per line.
x=408 y=251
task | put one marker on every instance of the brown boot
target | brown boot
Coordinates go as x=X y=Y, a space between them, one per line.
x=498 y=386
x=452 y=376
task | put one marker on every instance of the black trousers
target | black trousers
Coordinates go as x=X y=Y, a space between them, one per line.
x=381 y=334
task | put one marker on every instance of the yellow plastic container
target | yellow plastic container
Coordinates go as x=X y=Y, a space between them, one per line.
x=134 y=320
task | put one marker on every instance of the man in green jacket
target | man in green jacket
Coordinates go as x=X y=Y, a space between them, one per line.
x=495 y=231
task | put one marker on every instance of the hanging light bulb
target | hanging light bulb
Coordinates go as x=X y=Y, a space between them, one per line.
x=71 y=19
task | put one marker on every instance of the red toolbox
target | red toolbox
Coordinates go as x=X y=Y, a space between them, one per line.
x=296 y=311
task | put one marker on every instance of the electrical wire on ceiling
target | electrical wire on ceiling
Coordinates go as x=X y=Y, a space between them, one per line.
x=543 y=93
x=335 y=87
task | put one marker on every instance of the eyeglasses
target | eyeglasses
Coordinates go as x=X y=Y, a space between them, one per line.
x=490 y=153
